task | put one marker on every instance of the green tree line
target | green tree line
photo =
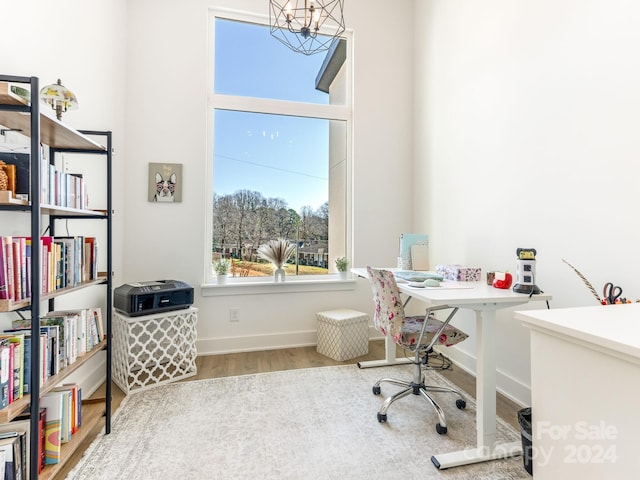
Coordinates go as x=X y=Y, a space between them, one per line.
x=244 y=220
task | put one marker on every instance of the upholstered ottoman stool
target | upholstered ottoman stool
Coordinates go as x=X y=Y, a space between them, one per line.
x=343 y=334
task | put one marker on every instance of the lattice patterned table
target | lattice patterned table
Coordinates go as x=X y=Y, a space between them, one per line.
x=151 y=350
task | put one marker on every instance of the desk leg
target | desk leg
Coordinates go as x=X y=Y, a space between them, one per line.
x=486 y=402
x=390 y=357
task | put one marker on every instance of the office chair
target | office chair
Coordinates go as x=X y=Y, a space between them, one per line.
x=416 y=335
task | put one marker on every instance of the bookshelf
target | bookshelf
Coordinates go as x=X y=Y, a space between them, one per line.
x=20 y=112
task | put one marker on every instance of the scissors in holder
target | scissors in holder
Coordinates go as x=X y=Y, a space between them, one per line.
x=611 y=293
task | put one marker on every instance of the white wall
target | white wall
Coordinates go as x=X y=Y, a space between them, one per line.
x=83 y=44
x=524 y=120
x=527 y=136
x=166 y=122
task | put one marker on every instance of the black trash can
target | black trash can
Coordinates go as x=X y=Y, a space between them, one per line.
x=524 y=419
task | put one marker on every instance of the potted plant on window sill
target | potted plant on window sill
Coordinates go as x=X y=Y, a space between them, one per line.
x=342 y=265
x=277 y=252
x=221 y=268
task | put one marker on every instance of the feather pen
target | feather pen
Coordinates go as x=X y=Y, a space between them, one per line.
x=586 y=282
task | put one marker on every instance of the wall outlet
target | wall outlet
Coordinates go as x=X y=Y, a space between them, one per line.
x=234 y=314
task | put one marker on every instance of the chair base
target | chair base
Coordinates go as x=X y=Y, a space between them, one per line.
x=417 y=387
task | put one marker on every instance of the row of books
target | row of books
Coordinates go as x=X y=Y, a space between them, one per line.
x=60 y=417
x=63 y=189
x=65 y=262
x=63 y=408
x=58 y=188
x=64 y=337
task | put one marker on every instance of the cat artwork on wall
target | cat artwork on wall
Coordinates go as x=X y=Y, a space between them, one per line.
x=165 y=182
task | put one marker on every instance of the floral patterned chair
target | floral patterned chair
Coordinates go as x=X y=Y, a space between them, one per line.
x=417 y=335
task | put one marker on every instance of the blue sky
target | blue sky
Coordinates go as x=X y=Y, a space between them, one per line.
x=285 y=157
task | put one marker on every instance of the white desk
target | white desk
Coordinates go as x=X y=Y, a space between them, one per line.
x=583 y=396
x=484 y=300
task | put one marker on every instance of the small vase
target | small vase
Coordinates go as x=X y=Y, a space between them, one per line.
x=222 y=279
x=342 y=275
x=278 y=275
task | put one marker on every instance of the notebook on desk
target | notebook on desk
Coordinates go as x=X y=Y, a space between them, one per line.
x=413 y=276
x=420 y=257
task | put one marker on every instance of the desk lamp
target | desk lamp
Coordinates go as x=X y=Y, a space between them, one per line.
x=59 y=97
x=526 y=274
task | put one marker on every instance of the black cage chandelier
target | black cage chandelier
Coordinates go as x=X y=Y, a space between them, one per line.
x=307 y=26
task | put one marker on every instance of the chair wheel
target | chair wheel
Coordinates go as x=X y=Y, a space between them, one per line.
x=382 y=418
x=461 y=404
x=440 y=429
x=376 y=390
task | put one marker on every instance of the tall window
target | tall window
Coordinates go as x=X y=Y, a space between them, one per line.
x=280 y=150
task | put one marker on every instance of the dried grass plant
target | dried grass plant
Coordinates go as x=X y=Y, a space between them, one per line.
x=276 y=251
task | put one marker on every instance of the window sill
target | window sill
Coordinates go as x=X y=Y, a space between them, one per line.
x=266 y=285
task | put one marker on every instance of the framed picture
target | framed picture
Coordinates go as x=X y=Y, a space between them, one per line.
x=165 y=182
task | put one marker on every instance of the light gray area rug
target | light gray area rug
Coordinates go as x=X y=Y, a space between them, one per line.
x=316 y=423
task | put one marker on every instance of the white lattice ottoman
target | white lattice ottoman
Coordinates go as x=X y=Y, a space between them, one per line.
x=151 y=350
x=343 y=334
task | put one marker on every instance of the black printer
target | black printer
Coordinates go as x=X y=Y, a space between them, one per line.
x=146 y=298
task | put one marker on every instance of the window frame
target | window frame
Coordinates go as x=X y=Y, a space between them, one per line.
x=217 y=101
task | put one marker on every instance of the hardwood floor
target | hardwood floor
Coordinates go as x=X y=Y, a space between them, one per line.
x=291 y=358
x=216 y=366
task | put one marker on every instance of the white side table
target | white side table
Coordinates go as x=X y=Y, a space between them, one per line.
x=151 y=350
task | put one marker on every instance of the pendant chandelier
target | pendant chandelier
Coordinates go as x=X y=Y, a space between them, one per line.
x=307 y=26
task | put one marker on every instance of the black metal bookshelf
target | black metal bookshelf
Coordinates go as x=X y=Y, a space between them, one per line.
x=18 y=114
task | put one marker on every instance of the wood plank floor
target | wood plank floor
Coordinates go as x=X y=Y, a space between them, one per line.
x=216 y=366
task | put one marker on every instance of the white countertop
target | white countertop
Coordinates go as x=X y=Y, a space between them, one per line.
x=612 y=328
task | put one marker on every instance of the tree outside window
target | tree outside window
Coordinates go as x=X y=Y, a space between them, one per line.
x=279 y=152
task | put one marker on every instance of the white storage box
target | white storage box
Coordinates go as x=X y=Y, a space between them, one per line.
x=343 y=334
x=151 y=350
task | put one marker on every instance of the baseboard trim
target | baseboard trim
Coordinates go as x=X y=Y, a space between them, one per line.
x=249 y=343
x=509 y=387
x=271 y=341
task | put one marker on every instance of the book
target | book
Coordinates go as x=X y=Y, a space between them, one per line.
x=27 y=364
x=69 y=260
x=79 y=407
x=12 y=380
x=406 y=241
x=67 y=412
x=97 y=312
x=76 y=405
x=47 y=267
x=4 y=294
x=17 y=342
x=20 y=270
x=11 y=444
x=42 y=424
x=20 y=426
x=52 y=348
x=420 y=257
x=91 y=256
x=5 y=372
x=52 y=402
x=62 y=328
x=71 y=410
x=27 y=270
x=8 y=255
